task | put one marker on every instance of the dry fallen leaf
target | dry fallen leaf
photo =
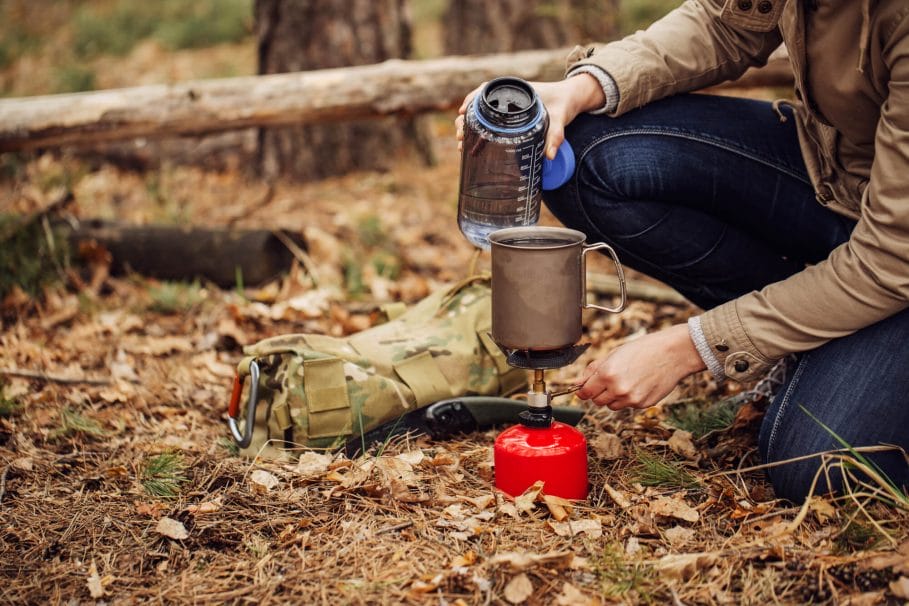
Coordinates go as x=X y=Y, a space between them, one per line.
x=525 y=502
x=869 y=598
x=633 y=546
x=204 y=507
x=468 y=558
x=518 y=561
x=394 y=468
x=428 y=585
x=679 y=535
x=152 y=510
x=310 y=304
x=95 y=588
x=509 y=509
x=559 y=508
x=617 y=496
x=157 y=346
x=681 y=444
x=592 y=528
x=518 y=589
x=23 y=464
x=684 y=566
x=121 y=369
x=572 y=596
x=262 y=481
x=406 y=493
x=747 y=414
x=120 y=394
x=171 y=528
x=669 y=507
x=312 y=464
x=481 y=502
x=412 y=458
x=227 y=327
x=607 y=446
x=900 y=588
x=899 y=562
x=822 y=508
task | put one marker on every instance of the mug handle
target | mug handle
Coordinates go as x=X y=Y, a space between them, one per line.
x=619 y=273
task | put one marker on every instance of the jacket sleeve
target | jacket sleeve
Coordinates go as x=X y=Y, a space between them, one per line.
x=863 y=281
x=699 y=44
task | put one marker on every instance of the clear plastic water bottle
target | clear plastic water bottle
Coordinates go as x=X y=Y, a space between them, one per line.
x=503 y=167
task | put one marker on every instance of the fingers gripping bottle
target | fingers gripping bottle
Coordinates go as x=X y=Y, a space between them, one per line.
x=503 y=167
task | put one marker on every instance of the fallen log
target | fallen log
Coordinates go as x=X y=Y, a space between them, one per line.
x=207 y=106
x=391 y=87
x=221 y=256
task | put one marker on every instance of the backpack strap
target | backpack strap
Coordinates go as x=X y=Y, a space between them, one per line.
x=424 y=378
x=327 y=400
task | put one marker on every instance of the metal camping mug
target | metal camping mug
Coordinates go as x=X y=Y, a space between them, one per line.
x=539 y=286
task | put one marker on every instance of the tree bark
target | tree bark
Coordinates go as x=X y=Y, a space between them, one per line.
x=489 y=26
x=304 y=35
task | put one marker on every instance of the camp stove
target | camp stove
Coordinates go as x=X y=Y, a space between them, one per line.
x=538 y=292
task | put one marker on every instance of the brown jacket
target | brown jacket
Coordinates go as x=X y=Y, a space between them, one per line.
x=851 y=64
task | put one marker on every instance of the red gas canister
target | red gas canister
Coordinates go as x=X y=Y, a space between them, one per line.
x=557 y=455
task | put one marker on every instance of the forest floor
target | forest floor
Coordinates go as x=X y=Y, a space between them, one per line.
x=118 y=481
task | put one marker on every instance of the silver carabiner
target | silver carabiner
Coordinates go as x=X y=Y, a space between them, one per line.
x=244 y=439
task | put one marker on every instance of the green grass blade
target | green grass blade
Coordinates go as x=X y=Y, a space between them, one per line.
x=856 y=454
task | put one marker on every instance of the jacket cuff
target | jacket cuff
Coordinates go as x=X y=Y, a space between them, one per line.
x=610 y=90
x=700 y=343
x=726 y=339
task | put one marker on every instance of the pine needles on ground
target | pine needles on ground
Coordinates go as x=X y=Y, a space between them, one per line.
x=163 y=474
x=175 y=297
x=73 y=422
x=652 y=470
x=618 y=575
x=700 y=417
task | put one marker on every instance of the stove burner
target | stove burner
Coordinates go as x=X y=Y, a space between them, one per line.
x=550 y=358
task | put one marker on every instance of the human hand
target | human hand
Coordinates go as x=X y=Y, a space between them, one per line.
x=563 y=100
x=641 y=372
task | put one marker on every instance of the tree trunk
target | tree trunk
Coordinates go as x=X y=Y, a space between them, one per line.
x=488 y=26
x=304 y=35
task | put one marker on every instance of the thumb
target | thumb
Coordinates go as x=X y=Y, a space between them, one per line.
x=554 y=138
x=469 y=98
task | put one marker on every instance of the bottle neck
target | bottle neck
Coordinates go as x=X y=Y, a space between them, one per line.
x=508 y=105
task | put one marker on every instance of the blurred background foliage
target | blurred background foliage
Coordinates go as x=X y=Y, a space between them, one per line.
x=59 y=46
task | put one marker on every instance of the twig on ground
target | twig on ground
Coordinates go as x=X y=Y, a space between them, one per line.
x=61 y=201
x=300 y=255
x=52 y=378
x=3 y=483
x=401 y=526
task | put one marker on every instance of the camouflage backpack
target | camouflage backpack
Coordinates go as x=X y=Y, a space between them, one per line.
x=316 y=391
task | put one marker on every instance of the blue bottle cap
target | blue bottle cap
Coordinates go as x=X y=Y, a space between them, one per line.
x=558 y=171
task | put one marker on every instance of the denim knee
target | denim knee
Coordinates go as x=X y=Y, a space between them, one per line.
x=850 y=391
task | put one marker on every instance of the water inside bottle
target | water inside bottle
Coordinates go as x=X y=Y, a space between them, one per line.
x=480 y=214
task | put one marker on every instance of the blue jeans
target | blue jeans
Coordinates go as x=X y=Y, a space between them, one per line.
x=710 y=195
